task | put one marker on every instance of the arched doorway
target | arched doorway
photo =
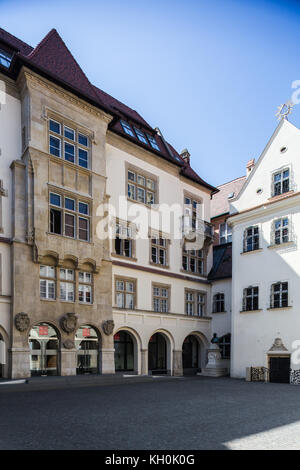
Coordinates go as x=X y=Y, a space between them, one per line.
x=191 y=362
x=157 y=354
x=124 y=351
x=44 y=345
x=87 y=345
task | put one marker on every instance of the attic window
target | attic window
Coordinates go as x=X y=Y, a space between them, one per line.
x=5 y=58
x=153 y=142
x=230 y=196
x=141 y=136
x=127 y=128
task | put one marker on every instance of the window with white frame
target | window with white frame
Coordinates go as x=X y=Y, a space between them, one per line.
x=153 y=142
x=281 y=182
x=195 y=303
x=127 y=128
x=69 y=216
x=69 y=143
x=219 y=302
x=281 y=231
x=191 y=212
x=125 y=293
x=225 y=346
x=161 y=296
x=141 y=136
x=159 y=251
x=141 y=188
x=85 y=284
x=5 y=58
x=193 y=261
x=279 y=295
x=67 y=285
x=251 y=239
x=47 y=282
x=225 y=233
x=124 y=241
x=250 y=298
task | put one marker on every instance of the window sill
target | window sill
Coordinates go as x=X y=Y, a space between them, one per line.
x=157 y=265
x=48 y=300
x=251 y=251
x=67 y=162
x=252 y=311
x=280 y=196
x=86 y=303
x=193 y=273
x=130 y=258
x=69 y=238
x=223 y=311
x=149 y=206
x=278 y=245
x=280 y=308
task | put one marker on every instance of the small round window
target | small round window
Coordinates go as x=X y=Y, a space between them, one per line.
x=283 y=149
x=259 y=191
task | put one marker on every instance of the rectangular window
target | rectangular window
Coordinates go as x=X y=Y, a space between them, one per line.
x=66 y=217
x=159 y=251
x=141 y=188
x=195 y=303
x=5 y=58
x=225 y=235
x=125 y=293
x=127 y=128
x=161 y=295
x=250 y=299
x=69 y=152
x=54 y=146
x=85 y=287
x=123 y=241
x=219 y=303
x=153 y=142
x=193 y=261
x=281 y=231
x=47 y=282
x=281 y=182
x=251 y=239
x=67 y=285
x=69 y=133
x=279 y=295
x=141 y=136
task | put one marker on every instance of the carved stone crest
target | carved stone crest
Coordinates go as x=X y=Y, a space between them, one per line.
x=22 y=321
x=108 y=327
x=68 y=322
x=69 y=344
x=278 y=345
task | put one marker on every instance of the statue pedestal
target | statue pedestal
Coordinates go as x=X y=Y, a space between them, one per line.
x=215 y=366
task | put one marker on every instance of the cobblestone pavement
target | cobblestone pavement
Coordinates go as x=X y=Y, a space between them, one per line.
x=189 y=413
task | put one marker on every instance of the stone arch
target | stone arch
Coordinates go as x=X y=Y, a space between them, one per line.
x=88 y=357
x=137 y=345
x=170 y=343
x=44 y=350
x=203 y=345
x=4 y=338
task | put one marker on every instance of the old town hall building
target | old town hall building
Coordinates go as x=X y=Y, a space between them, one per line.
x=72 y=300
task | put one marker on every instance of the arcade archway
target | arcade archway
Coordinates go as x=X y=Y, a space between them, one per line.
x=157 y=354
x=191 y=355
x=124 y=351
x=87 y=345
x=44 y=350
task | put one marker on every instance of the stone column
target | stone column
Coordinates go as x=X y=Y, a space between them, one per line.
x=144 y=361
x=177 y=363
x=20 y=362
x=107 y=361
x=68 y=361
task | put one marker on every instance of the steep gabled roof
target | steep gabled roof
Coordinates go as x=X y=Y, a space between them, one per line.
x=220 y=201
x=52 y=58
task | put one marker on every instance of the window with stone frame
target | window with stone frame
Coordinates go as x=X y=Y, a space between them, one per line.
x=69 y=216
x=191 y=211
x=69 y=143
x=225 y=346
x=251 y=238
x=85 y=287
x=193 y=261
x=3 y=193
x=67 y=284
x=47 y=282
x=195 y=303
x=124 y=240
x=161 y=298
x=250 y=298
x=125 y=293
x=281 y=232
x=142 y=187
x=159 y=250
x=279 y=295
x=281 y=182
x=219 y=302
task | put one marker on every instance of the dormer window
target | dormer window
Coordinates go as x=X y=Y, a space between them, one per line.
x=281 y=182
x=127 y=128
x=153 y=142
x=141 y=136
x=230 y=196
x=5 y=58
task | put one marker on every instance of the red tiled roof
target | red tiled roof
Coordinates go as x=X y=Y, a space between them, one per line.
x=52 y=57
x=220 y=201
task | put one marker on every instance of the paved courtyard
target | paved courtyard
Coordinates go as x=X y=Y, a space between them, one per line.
x=184 y=413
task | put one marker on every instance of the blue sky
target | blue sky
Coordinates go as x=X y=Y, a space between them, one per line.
x=210 y=74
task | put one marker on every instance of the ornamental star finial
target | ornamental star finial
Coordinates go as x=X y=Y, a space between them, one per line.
x=284 y=110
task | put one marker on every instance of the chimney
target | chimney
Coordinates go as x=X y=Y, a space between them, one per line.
x=250 y=166
x=185 y=154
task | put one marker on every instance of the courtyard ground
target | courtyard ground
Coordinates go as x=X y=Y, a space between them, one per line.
x=162 y=414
